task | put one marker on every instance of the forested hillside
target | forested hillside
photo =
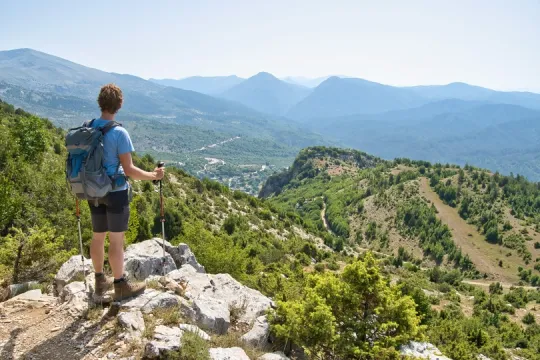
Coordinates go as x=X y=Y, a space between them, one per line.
x=307 y=246
x=457 y=231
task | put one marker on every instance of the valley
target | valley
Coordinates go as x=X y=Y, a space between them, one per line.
x=433 y=224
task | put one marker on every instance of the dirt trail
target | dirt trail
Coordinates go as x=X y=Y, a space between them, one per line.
x=486 y=283
x=38 y=331
x=323 y=216
x=484 y=255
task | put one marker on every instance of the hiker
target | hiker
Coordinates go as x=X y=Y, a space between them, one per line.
x=112 y=212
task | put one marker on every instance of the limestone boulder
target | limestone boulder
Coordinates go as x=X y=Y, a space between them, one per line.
x=144 y=259
x=422 y=350
x=75 y=298
x=71 y=270
x=132 y=322
x=165 y=339
x=258 y=335
x=212 y=314
x=150 y=300
x=181 y=254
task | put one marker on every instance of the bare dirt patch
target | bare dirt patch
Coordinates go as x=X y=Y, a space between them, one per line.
x=399 y=169
x=484 y=255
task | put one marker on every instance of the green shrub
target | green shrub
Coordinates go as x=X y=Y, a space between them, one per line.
x=193 y=348
x=528 y=319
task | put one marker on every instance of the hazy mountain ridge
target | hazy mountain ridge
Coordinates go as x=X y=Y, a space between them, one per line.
x=446 y=123
x=454 y=131
x=266 y=93
x=465 y=91
x=210 y=85
x=346 y=96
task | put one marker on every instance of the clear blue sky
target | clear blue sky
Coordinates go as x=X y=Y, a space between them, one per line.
x=493 y=43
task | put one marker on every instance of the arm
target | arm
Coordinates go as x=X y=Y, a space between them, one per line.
x=138 y=174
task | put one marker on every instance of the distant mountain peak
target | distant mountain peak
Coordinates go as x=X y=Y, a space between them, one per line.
x=266 y=93
x=264 y=75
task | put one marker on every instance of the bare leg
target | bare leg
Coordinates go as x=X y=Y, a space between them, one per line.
x=97 y=251
x=116 y=253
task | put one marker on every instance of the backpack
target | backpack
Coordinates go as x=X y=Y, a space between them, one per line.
x=85 y=172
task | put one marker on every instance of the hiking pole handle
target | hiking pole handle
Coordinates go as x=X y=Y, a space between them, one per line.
x=159 y=165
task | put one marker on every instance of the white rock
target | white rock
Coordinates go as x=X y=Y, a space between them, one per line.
x=146 y=258
x=132 y=321
x=75 y=297
x=196 y=330
x=234 y=293
x=152 y=299
x=234 y=353
x=32 y=295
x=224 y=288
x=273 y=356
x=71 y=270
x=422 y=350
x=181 y=255
x=483 y=357
x=258 y=335
x=165 y=339
x=212 y=314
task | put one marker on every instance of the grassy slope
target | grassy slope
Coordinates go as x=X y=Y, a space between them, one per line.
x=338 y=182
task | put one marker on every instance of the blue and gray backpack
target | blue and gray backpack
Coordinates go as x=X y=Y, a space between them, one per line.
x=85 y=171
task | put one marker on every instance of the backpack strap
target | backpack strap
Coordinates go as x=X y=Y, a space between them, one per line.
x=109 y=126
x=88 y=123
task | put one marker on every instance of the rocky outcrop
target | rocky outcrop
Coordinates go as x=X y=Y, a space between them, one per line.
x=71 y=270
x=170 y=339
x=234 y=353
x=181 y=254
x=258 y=335
x=207 y=287
x=152 y=299
x=422 y=350
x=165 y=339
x=132 y=322
x=212 y=314
x=207 y=300
x=75 y=297
x=146 y=258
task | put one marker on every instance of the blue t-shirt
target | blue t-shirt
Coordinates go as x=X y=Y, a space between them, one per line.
x=115 y=143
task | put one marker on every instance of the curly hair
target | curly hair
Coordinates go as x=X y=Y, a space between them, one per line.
x=110 y=98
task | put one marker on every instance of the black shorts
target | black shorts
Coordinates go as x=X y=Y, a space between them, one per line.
x=112 y=212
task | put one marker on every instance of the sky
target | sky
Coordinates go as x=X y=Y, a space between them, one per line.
x=493 y=43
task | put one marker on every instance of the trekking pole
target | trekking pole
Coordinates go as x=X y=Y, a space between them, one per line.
x=162 y=213
x=80 y=241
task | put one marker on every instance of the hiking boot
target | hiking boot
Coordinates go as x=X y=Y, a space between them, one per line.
x=102 y=285
x=125 y=289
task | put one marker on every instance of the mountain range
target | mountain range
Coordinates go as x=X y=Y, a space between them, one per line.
x=266 y=93
x=457 y=122
x=212 y=85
